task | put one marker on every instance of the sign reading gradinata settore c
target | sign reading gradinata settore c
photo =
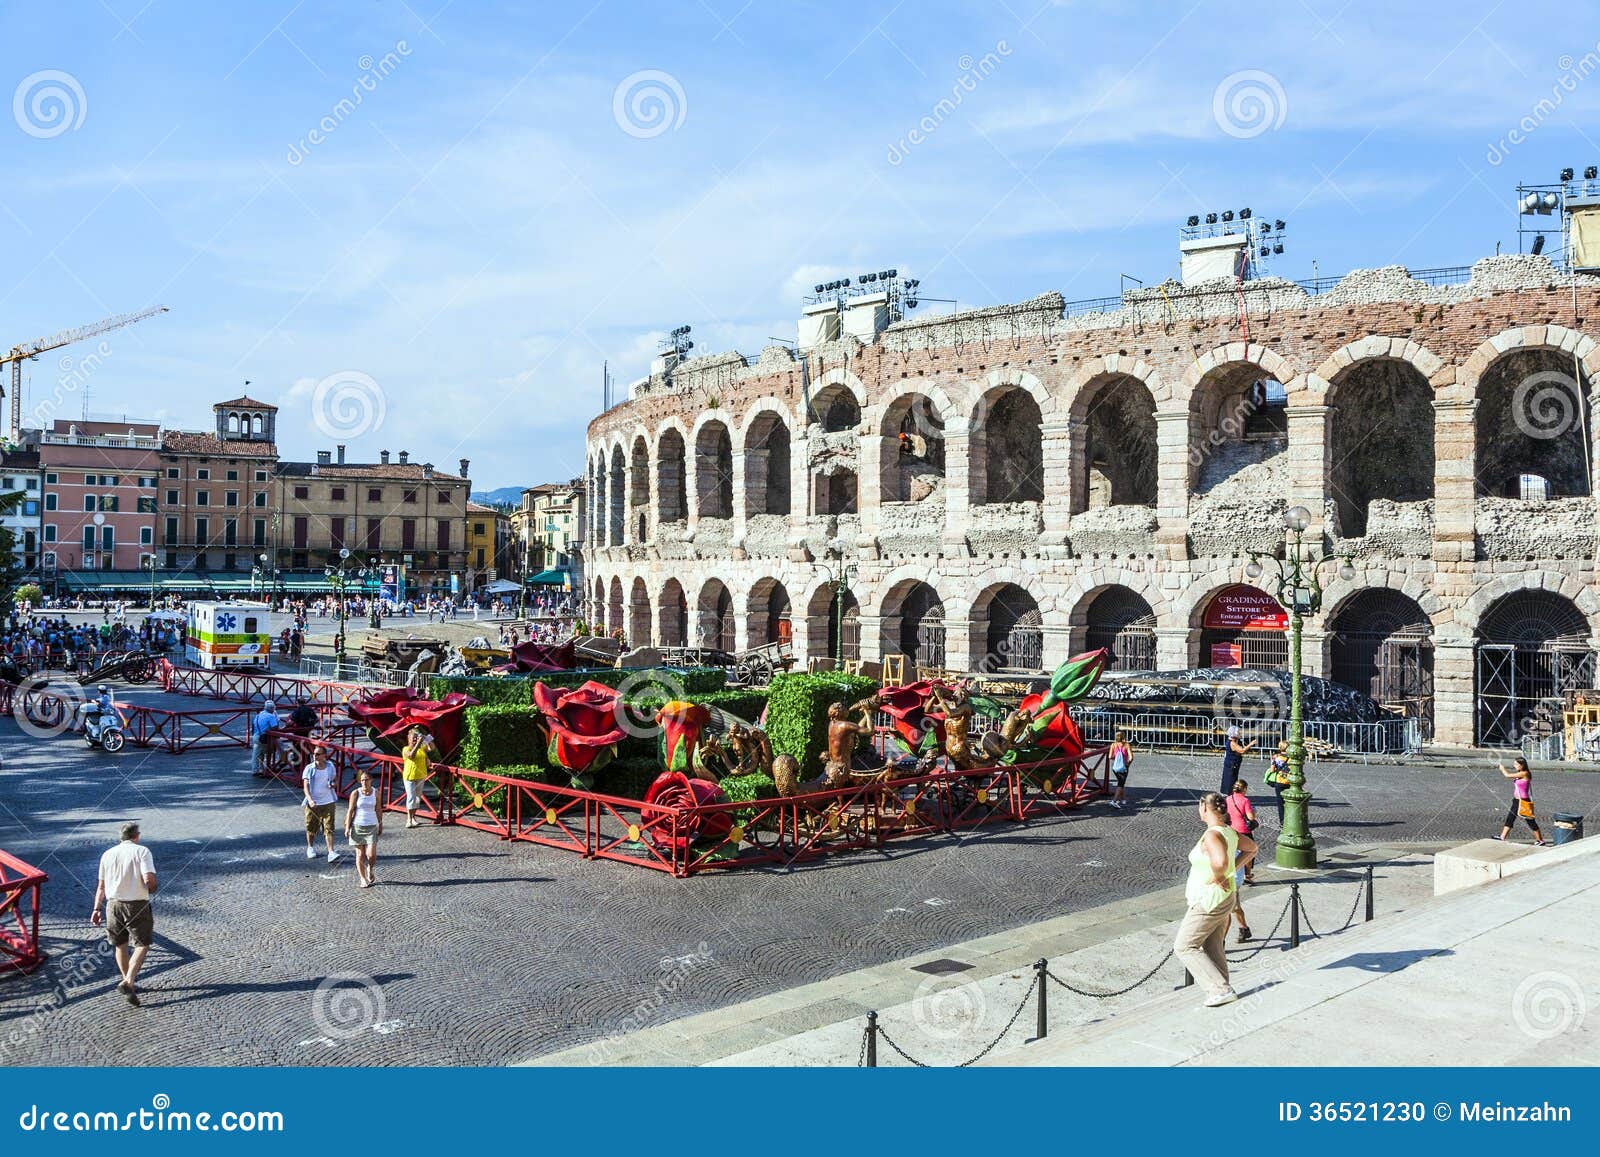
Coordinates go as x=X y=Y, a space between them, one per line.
x=1244 y=607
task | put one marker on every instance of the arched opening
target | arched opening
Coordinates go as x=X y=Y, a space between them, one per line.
x=639 y=614
x=1238 y=430
x=835 y=408
x=715 y=626
x=671 y=501
x=769 y=615
x=1532 y=419
x=713 y=472
x=233 y=423
x=1244 y=626
x=639 y=490
x=597 y=504
x=1533 y=648
x=1382 y=646
x=766 y=466
x=1012 y=630
x=1121 y=621
x=259 y=426
x=672 y=615
x=616 y=495
x=824 y=637
x=1380 y=441
x=836 y=492
x=912 y=458
x=913 y=625
x=1116 y=463
x=614 y=607
x=1007 y=449
x=597 y=608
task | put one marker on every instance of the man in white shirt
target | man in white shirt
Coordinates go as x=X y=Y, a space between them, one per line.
x=127 y=881
x=320 y=801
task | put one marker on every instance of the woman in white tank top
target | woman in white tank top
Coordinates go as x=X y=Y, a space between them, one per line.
x=363 y=824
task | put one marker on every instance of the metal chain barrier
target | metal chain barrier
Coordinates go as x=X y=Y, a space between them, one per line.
x=1265 y=942
x=1119 y=992
x=883 y=1034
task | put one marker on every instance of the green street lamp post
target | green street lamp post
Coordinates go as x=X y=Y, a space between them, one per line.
x=150 y=565
x=1298 y=584
x=337 y=579
x=841 y=574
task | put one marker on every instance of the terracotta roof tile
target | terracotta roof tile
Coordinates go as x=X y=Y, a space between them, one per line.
x=180 y=442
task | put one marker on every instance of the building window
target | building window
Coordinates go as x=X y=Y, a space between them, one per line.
x=171 y=536
x=172 y=559
x=172 y=472
x=109 y=480
x=52 y=479
x=230 y=533
x=230 y=498
x=374 y=533
x=233 y=476
x=444 y=535
x=202 y=531
x=411 y=496
x=50 y=501
x=172 y=498
x=301 y=531
x=31 y=484
x=261 y=532
x=477 y=528
x=110 y=502
x=203 y=474
x=30 y=507
x=147 y=535
x=200 y=561
x=89 y=502
x=88 y=479
x=302 y=492
x=202 y=498
x=147 y=505
x=230 y=562
x=374 y=494
x=336 y=494
x=444 y=497
x=261 y=498
x=408 y=534
x=336 y=531
x=108 y=539
x=88 y=540
x=50 y=532
x=261 y=475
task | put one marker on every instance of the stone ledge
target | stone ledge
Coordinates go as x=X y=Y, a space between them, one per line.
x=1484 y=861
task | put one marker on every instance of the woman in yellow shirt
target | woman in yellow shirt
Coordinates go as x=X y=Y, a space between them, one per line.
x=414 y=769
x=1212 y=893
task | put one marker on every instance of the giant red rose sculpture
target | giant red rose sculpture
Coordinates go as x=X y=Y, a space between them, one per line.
x=675 y=789
x=584 y=724
x=389 y=714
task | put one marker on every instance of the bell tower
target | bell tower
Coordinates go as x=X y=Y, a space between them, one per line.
x=246 y=420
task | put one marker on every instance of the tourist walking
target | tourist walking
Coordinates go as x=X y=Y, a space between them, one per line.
x=1521 y=801
x=363 y=824
x=414 y=769
x=1233 y=754
x=1278 y=776
x=1212 y=893
x=320 y=802
x=1121 y=756
x=260 y=746
x=122 y=902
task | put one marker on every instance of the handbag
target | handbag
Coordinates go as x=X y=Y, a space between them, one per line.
x=1525 y=808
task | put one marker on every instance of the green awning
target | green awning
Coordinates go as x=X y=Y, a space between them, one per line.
x=559 y=577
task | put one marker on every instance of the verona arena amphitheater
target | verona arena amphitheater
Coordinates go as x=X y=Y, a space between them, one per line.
x=1004 y=487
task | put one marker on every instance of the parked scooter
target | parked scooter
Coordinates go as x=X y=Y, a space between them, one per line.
x=102 y=726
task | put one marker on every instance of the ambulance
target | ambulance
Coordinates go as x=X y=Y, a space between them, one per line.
x=229 y=635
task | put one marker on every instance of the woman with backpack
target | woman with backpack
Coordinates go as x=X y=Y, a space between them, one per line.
x=1120 y=756
x=1521 y=801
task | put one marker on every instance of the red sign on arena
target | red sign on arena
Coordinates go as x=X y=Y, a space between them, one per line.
x=1243 y=607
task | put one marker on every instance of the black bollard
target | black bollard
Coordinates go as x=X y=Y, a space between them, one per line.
x=1294 y=915
x=1369 y=893
x=1041 y=1025
x=872 y=1040
x=1188 y=978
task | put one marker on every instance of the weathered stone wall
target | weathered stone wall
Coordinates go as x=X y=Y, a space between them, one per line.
x=1394 y=389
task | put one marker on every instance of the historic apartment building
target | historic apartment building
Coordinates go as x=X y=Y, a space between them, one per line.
x=547 y=528
x=1004 y=487
x=216 y=493
x=19 y=474
x=99 y=490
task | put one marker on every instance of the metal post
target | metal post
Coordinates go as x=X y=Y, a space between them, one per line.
x=1188 y=979
x=1294 y=915
x=872 y=1040
x=1041 y=1026
x=1369 y=893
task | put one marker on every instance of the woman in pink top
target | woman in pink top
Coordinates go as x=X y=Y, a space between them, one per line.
x=1242 y=819
x=1521 y=800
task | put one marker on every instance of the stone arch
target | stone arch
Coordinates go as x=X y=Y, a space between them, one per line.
x=769 y=613
x=672 y=500
x=714 y=626
x=1006 y=446
x=912 y=622
x=1257 y=648
x=1122 y=621
x=828 y=397
x=1470 y=615
x=597 y=607
x=1338 y=593
x=616 y=496
x=823 y=635
x=1381 y=644
x=614 y=607
x=1534 y=417
x=1380 y=431
x=639 y=527
x=1006 y=628
x=713 y=469
x=639 y=616
x=1533 y=647
x=1236 y=419
x=672 y=615
x=1113 y=450
x=1375 y=347
x=912 y=456
x=765 y=442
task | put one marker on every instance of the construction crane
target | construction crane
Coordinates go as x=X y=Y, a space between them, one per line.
x=32 y=349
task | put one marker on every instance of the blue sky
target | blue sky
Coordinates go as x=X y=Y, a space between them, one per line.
x=495 y=217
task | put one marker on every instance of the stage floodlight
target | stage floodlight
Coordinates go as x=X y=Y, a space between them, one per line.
x=1194 y=219
x=1244 y=214
x=1227 y=214
x=1566 y=174
x=1538 y=245
x=1211 y=218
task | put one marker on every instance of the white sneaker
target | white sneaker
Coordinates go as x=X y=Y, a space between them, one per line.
x=311 y=853
x=333 y=857
x=1222 y=998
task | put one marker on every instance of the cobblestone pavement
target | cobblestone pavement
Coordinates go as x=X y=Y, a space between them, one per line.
x=472 y=951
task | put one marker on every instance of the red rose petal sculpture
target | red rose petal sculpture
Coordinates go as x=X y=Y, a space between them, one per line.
x=681 y=724
x=674 y=789
x=907 y=705
x=584 y=724
x=390 y=713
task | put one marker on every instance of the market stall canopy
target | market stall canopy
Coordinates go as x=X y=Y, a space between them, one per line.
x=559 y=577
x=502 y=587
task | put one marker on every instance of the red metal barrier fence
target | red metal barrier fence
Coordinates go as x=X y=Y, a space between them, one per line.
x=245 y=687
x=19 y=914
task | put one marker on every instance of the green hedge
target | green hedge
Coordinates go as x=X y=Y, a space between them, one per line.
x=488 y=691
x=499 y=736
x=654 y=681
x=797 y=712
x=627 y=777
x=747 y=788
x=747 y=705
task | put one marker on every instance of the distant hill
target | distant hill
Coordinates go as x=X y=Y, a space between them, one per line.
x=505 y=496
